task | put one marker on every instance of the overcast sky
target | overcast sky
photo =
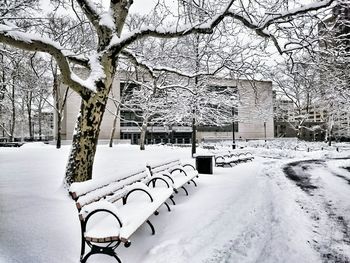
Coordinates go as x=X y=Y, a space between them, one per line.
x=142 y=6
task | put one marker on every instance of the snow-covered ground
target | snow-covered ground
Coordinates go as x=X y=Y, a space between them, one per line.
x=285 y=206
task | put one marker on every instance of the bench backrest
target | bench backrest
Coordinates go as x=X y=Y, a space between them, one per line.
x=163 y=166
x=111 y=188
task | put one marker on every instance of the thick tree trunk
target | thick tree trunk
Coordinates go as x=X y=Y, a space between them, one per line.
x=85 y=138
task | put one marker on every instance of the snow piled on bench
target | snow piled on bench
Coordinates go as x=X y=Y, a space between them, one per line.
x=87 y=186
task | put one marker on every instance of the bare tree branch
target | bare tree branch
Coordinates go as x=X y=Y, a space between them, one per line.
x=207 y=28
x=31 y=43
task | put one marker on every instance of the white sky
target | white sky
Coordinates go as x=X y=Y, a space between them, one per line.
x=142 y=6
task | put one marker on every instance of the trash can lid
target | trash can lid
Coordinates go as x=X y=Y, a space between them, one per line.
x=203 y=155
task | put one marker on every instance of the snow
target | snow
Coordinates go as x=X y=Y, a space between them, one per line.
x=14 y=33
x=106 y=19
x=97 y=73
x=248 y=213
x=100 y=205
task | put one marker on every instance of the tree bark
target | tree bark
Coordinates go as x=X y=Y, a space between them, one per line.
x=114 y=126
x=143 y=135
x=59 y=129
x=40 y=122
x=13 y=117
x=60 y=102
x=330 y=137
x=85 y=138
x=194 y=137
x=29 y=98
x=113 y=131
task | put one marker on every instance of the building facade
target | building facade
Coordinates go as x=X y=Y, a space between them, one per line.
x=254 y=117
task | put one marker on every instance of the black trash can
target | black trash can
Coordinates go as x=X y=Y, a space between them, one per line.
x=204 y=164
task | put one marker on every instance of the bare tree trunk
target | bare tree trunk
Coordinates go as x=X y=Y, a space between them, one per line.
x=58 y=132
x=59 y=106
x=330 y=134
x=29 y=112
x=13 y=119
x=40 y=122
x=58 y=110
x=114 y=126
x=194 y=134
x=143 y=135
x=85 y=138
x=194 y=131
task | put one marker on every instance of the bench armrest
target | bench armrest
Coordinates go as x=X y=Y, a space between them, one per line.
x=168 y=176
x=219 y=157
x=178 y=169
x=190 y=165
x=100 y=206
x=155 y=178
x=137 y=187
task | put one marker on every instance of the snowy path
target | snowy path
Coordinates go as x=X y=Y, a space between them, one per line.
x=248 y=213
x=235 y=216
x=327 y=187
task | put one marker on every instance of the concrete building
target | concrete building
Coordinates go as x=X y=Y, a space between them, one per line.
x=255 y=112
x=255 y=117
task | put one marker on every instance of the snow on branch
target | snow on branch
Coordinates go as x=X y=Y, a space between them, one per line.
x=33 y=42
x=90 y=11
x=293 y=12
x=151 y=69
x=104 y=23
x=118 y=43
x=128 y=54
x=165 y=87
x=79 y=61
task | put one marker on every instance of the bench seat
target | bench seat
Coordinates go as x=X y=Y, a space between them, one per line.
x=177 y=174
x=112 y=209
x=133 y=215
x=223 y=159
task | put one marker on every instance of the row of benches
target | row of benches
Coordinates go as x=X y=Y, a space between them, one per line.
x=229 y=158
x=112 y=209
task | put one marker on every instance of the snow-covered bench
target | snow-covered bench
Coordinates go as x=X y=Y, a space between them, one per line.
x=229 y=158
x=176 y=173
x=112 y=209
x=245 y=156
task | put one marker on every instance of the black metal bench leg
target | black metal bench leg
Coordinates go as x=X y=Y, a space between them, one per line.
x=82 y=251
x=184 y=190
x=101 y=250
x=117 y=258
x=194 y=183
x=166 y=204
x=172 y=200
x=151 y=226
x=83 y=260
